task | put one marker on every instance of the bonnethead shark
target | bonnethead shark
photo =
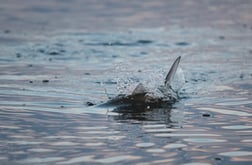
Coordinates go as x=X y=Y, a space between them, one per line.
x=141 y=99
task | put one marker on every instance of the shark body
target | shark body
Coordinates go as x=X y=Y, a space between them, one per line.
x=142 y=99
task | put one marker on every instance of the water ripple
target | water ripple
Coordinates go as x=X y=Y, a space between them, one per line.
x=226 y=111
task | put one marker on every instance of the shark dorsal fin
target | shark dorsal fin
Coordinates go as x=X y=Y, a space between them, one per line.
x=172 y=72
x=140 y=89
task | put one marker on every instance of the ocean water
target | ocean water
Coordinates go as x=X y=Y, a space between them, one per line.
x=48 y=90
x=53 y=81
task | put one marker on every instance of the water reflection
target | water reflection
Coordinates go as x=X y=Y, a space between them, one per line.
x=143 y=113
x=48 y=122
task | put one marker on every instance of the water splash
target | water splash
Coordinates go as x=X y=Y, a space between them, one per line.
x=152 y=79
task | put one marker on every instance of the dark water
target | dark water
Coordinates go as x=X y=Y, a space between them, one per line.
x=47 y=84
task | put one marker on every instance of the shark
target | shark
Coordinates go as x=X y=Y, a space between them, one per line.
x=141 y=99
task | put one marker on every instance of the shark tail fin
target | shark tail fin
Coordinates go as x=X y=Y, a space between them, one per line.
x=172 y=72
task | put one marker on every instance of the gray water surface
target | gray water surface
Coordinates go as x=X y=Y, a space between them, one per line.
x=59 y=60
x=47 y=87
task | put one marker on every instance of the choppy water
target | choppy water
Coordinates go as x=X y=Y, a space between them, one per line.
x=45 y=87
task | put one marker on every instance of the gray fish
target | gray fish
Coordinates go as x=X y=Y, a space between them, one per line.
x=141 y=99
